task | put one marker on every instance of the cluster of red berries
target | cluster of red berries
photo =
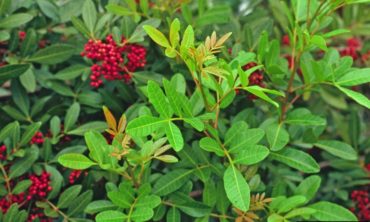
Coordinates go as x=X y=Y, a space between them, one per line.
x=3 y=154
x=351 y=49
x=361 y=199
x=109 y=59
x=256 y=78
x=38 y=138
x=37 y=214
x=8 y=200
x=40 y=186
x=73 y=177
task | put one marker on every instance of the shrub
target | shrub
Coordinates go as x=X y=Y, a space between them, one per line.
x=184 y=110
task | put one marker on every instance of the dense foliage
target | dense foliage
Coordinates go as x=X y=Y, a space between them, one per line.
x=184 y=110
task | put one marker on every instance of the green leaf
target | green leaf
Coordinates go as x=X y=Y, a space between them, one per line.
x=277 y=136
x=174 y=33
x=296 y=159
x=28 y=81
x=319 y=41
x=196 y=123
x=171 y=181
x=15 y=20
x=98 y=126
x=300 y=212
x=71 y=117
x=49 y=9
x=326 y=211
x=308 y=187
x=358 y=97
x=121 y=199
x=173 y=215
x=187 y=40
x=95 y=142
x=291 y=203
x=139 y=32
x=211 y=145
x=98 y=206
x=29 y=43
x=174 y=136
x=167 y=158
x=89 y=15
x=275 y=218
x=336 y=32
x=119 y=10
x=75 y=161
x=7 y=130
x=157 y=36
x=355 y=77
x=338 y=149
x=237 y=189
x=80 y=26
x=68 y=196
x=53 y=54
x=259 y=92
x=159 y=100
x=13 y=71
x=71 y=72
x=21 y=186
x=80 y=203
x=246 y=138
x=303 y=117
x=145 y=125
x=251 y=155
x=23 y=164
x=141 y=214
x=29 y=133
x=111 y=216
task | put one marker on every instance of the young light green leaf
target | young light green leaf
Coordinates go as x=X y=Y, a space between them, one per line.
x=119 y=10
x=326 y=211
x=259 y=92
x=53 y=54
x=296 y=159
x=75 y=161
x=174 y=33
x=157 y=36
x=237 y=189
x=338 y=149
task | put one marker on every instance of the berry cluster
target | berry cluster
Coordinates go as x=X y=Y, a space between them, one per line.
x=38 y=138
x=353 y=45
x=3 y=152
x=73 y=177
x=361 y=199
x=36 y=213
x=110 y=62
x=40 y=186
x=256 y=78
x=8 y=200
